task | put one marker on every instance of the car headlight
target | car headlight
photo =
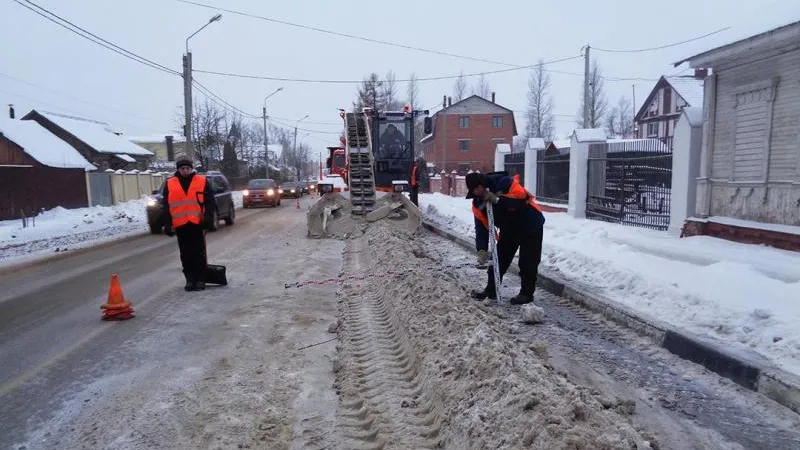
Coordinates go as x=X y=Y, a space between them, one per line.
x=271 y=192
x=151 y=202
x=280 y=191
x=292 y=191
x=245 y=192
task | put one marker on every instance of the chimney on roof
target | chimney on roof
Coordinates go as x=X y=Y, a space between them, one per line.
x=700 y=74
x=492 y=97
x=11 y=111
x=449 y=101
x=170 y=148
x=444 y=101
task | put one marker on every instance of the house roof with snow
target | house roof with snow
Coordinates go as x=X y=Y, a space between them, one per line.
x=156 y=138
x=42 y=145
x=760 y=44
x=689 y=88
x=97 y=135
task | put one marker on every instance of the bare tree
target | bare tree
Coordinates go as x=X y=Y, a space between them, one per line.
x=412 y=91
x=460 y=87
x=207 y=136
x=389 y=92
x=619 y=122
x=540 y=104
x=482 y=88
x=598 y=103
x=368 y=95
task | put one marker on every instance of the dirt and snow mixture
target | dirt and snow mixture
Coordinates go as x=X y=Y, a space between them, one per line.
x=421 y=366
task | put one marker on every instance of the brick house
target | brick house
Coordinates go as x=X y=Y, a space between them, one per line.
x=466 y=133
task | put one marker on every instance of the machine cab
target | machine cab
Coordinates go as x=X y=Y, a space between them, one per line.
x=392 y=147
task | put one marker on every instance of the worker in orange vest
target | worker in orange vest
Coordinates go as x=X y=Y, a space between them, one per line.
x=188 y=206
x=521 y=223
x=415 y=182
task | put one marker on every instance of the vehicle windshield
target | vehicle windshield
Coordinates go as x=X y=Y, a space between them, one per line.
x=338 y=160
x=259 y=184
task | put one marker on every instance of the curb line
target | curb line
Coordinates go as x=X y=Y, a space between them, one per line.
x=750 y=371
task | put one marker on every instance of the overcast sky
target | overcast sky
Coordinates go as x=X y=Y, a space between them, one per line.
x=47 y=67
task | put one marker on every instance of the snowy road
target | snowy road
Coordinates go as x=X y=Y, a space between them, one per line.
x=413 y=363
x=209 y=369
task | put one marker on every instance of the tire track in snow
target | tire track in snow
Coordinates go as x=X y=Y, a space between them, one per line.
x=384 y=398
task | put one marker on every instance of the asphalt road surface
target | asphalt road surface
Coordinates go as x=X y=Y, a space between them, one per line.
x=170 y=377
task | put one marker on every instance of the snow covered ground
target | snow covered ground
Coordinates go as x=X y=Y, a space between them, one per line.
x=745 y=295
x=61 y=229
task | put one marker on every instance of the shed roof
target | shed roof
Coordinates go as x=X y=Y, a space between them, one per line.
x=42 y=145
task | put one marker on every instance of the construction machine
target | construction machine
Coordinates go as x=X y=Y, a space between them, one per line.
x=379 y=150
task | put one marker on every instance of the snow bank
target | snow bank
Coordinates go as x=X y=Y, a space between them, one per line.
x=501 y=391
x=745 y=295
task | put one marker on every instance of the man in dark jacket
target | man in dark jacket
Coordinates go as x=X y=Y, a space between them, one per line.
x=188 y=207
x=521 y=225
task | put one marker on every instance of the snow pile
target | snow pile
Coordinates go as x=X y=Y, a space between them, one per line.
x=495 y=390
x=744 y=295
x=61 y=229
x=532 y=313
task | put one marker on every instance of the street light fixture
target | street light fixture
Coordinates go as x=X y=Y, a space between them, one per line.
x=264 y=115
x=187 y=87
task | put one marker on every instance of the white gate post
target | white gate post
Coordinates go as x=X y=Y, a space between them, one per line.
x=531 y=169
x=500 y=153
x=687 y=146
x=579 y=168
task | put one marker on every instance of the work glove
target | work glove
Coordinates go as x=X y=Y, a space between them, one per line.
x=169 y=231
x=483 y=257
x=490 y=197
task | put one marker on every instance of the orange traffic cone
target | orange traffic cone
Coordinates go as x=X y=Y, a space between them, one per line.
x=116 y=307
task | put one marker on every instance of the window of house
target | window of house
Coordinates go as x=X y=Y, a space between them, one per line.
x=463 y=145
x=667 y=100
x=497 y=121
x=463 y=122
x=652 y=129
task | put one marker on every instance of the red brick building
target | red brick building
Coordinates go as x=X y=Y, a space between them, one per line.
x=466 y=133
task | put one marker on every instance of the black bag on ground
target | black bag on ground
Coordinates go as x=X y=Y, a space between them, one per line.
x=215 y=274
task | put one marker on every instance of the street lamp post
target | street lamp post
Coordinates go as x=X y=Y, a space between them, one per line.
x=266 y=142
x=295 y=135
x=187 y=87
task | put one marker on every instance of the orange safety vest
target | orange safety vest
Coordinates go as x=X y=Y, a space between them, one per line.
x=414 y=181
x=516 y=192
x=186 y=207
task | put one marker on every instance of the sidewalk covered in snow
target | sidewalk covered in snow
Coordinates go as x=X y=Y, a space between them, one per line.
x=744 y=295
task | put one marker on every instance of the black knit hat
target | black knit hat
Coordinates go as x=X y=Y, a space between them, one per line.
x=181 y=162
x=473 y=180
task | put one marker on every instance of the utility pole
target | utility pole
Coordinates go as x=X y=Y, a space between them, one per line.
x=633 y=115
x=187 y=87
x=187 y=102
x=586 y=94
x=266 y=139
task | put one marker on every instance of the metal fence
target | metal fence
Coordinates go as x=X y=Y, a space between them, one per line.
x=515 y=165
x=631 y=182
x=100 y=191
x=552 y=176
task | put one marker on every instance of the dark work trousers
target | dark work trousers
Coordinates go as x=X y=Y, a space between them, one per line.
x=530 y=255
x=415 y=195
x=192 y=245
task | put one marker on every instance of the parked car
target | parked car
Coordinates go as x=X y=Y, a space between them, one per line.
x=222 y=195
x=261 y=192
x=291 y=189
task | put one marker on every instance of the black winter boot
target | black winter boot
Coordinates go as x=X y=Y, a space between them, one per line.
x=483 y=295
x=521 y=299
x=200 y=286
x=189 y=283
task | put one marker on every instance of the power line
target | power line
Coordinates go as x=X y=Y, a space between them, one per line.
x=674 y=44
x=345 y=35
x=77 y=99
x=323 y=81
x=66 y=24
